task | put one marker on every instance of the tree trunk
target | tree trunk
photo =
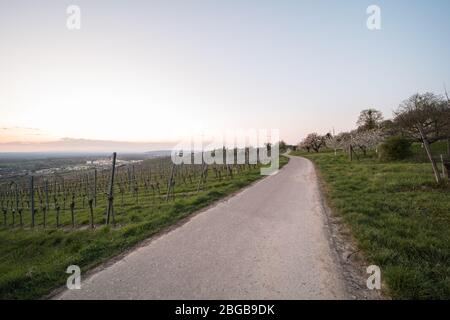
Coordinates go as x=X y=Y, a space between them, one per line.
x=430 y=156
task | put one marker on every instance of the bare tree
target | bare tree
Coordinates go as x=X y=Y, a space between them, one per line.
x=425 y=118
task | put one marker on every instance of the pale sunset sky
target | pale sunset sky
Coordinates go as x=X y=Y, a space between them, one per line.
x=154 y=72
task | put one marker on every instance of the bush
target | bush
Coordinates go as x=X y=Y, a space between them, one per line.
x=395 y=148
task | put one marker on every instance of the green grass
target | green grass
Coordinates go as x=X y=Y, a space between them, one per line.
x=437 y=148
x=399 y=217
x=33 y=262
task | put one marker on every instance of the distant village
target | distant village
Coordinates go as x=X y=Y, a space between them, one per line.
x=21 y=168
x=90 y=164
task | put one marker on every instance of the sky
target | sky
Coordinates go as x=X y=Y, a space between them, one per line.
x=155 y=72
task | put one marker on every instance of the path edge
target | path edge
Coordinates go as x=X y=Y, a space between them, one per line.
x=350 y=258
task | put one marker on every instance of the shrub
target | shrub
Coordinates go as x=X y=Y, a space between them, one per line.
x=395 y=148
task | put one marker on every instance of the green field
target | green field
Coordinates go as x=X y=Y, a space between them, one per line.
x=34 y=261
x=398 y=215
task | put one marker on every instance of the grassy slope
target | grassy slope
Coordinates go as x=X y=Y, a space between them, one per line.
x=399 y=217
x=33 y=262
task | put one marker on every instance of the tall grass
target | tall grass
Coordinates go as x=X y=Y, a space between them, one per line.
x=399 y=216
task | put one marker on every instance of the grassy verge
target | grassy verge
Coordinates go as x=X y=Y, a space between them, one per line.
x=33 y=262
x=399 y=217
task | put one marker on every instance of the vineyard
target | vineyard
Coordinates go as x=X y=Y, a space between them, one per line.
x=85 y=198
x=85 y=217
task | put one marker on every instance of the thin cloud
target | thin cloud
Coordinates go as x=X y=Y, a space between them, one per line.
x=84 y=145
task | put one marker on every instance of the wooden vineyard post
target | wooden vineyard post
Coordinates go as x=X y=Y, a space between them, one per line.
x=110 y=211
x=58 y=208
x=44 y=212
x=91 y=202
x=20 y=217
x=47 y=204
x=72 y=213
x=32 y=200
x=95 y=187
x=202 y=177
x=84 y=193
x=17 y=197
x=170 y=183
x=64 y=194
x=16 y=203
x=443 y=166
x=230 y=171
x=224 y=155
x=46 y=194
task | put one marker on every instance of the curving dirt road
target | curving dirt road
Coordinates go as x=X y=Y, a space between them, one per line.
x=270 y=241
